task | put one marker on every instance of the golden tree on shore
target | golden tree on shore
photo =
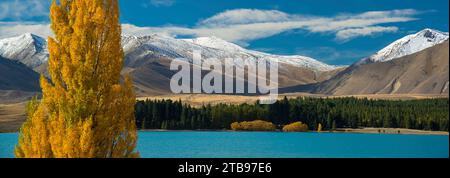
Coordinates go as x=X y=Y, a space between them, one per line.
x=296 y=127
x=85 y=111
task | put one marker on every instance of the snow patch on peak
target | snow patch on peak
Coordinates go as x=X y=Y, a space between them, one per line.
x=28 y=48
x=26 y=38
x=210 y=47
x=408 y=45
x=215 y=42
x=32 y=51
x=295 y=60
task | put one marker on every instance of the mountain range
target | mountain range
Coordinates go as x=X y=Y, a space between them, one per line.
x=416 y=63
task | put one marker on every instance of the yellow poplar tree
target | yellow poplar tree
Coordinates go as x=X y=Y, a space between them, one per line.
x=85 y=111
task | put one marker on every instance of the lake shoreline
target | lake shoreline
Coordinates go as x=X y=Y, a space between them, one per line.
x=389 y=131
x=392 y=131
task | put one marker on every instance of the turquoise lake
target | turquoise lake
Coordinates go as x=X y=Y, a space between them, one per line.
x=277 y=145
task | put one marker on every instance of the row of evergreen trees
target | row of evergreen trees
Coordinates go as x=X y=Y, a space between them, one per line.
x=331 y=113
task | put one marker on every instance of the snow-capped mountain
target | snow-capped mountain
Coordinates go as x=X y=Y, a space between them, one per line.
x=216 y=43
x=295 y=60
x=32 y=51
x=210 y=47
x=148 y=58
x=418 y=64
x=29 y=49
x=408 y=45
x=424 y=72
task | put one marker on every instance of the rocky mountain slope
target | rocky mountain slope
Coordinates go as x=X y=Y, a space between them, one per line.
x=17 y=81
x=422 y=72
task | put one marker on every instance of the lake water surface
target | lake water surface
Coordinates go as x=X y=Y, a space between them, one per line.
x=277 y=145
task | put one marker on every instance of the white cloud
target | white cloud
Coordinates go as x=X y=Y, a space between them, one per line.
x=159 y=3
x=381 y=14
x=23 y=9
x=9 y=29
x=244 y=25
x=245 y=16
x=236 y=33
x=347 y=34
x=366 y=19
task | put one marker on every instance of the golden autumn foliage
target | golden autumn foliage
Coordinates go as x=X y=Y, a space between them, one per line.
x=85 y=111
x=257 y=125
x=319 y=128
x=296 y=127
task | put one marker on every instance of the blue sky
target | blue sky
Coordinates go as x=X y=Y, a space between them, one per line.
x=335 y=32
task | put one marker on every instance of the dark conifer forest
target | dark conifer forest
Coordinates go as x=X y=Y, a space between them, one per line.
x=331 y=113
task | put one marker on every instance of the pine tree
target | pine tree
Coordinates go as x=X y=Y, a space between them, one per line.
x=85 y=111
